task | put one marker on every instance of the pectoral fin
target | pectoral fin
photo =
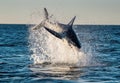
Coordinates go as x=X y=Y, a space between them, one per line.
x=53 y=33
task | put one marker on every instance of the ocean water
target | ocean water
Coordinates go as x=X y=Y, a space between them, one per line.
x=100 y=46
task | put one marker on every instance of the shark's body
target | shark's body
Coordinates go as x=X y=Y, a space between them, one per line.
x=60 y=30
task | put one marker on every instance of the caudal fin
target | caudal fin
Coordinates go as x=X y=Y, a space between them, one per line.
x=72 y=21
x=46 y=13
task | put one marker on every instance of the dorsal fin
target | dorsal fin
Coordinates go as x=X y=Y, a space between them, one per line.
x=72 y=21
x=46 y=13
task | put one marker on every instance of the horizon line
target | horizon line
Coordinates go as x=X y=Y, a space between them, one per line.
x=35 y=24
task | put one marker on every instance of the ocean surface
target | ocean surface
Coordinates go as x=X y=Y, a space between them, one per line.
x=101 y=42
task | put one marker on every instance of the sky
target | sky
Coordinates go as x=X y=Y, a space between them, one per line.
x=86 y=11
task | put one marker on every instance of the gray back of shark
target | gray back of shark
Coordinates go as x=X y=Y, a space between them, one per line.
x=67 y=33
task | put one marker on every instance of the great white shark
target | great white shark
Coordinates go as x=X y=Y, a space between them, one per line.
x=59 y=30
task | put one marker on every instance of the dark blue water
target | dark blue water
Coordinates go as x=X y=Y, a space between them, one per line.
x=102 y=42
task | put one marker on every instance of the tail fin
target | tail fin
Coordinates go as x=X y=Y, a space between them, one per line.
x=46 y=13
x=72 y=21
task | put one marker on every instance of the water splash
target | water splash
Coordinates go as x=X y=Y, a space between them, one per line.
x=48 y=48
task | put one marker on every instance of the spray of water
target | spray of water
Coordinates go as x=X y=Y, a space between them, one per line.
x=48 y=48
